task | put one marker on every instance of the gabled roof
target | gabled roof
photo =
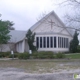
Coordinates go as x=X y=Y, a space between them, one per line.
x=17 y=36
x=44 y=18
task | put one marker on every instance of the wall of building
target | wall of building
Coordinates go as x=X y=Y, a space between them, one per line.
x=7 y=47
x=57 y=49
x=26 y=46
x=57 y=29
x=19 y=47
x=22 y=46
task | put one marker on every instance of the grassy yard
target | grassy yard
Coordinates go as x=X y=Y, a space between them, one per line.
x=73 y=55
x=44 y=65
x=41 y=66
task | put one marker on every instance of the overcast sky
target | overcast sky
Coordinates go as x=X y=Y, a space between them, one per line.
x=24 y=13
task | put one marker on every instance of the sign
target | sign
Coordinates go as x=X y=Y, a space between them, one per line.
x=30 y=51
x=12 y=52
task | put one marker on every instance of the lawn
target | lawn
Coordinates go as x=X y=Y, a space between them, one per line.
x=73 y=56
x=41 y=66
x=44 y=65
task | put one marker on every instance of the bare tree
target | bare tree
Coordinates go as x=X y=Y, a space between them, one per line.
x=43 y=14
x=72 y=18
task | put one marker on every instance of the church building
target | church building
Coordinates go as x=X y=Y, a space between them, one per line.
x=51 y=35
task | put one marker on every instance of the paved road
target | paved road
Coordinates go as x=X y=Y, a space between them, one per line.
x=18 y=74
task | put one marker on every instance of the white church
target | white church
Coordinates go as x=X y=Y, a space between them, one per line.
x=51 y=35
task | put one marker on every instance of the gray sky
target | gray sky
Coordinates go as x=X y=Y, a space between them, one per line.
x=24 y=13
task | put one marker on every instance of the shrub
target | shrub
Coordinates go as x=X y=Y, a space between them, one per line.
x=8 y=54
x=1 y=55
x=23 y=55
x=45 y=55
x=60 y=55
x=34 y=55
x=42 y=55
x=78 y=48
x=4 y=54
x=15 y=55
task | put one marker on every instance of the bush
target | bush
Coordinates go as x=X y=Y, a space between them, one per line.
x=43 y=55
x=60 y=55
x=4 y=54
x=8 y=55
x=34 y=55
x=78 y=48
x=15 y=55
x=24 y=56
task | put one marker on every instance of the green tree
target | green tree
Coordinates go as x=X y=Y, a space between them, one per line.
x=74 y=43
x=9 y=25
x=31 y=36
x=4 y=31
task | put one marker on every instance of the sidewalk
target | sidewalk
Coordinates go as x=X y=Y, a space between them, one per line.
x=8 y=59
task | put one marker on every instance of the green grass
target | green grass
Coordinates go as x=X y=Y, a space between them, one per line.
x=73 y=56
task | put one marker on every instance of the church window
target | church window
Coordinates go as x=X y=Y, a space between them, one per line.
x=54 y=42
x=37 y=42
x=67 y=43
x=47 y=42
x=51 y=42
x=58 y=42
x=44 y=42
x=40 y=42
x=62 y=42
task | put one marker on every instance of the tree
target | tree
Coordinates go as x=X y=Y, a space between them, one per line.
x=9 y=24
x=31 y=36
x=74 y=43
x=72 y=18
x=43 y=14
x=4 y=33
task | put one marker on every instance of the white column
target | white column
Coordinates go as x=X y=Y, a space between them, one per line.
x=23 y=45
x=56 y=41
x=53 y=41
x=39 y=43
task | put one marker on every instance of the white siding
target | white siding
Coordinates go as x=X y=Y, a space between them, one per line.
x=45 y=26
x=19 y=47
x=26 y=46
x=44 y=29
x=22 y=46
